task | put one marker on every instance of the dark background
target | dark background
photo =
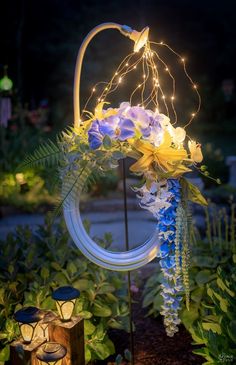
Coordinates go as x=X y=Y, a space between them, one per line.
x=40 y=41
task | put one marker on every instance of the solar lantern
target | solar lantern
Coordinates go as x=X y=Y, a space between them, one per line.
x=28 y=319
x=65 y=298
x=51 y=353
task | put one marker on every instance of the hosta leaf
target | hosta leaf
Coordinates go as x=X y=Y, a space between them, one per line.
x=106 y=288
x=214 y=327
x=44 y=273
x=88 y=355
x=101 y=349
x=203 y=277
x=222 y=286
x=99 y=333
x=85 y=314
x=232 y=330
x=5 y=353
x=196 y=294
x=113 y=323
x=189 y=316
x=83 y=284
x=89 y=328
x=101 y=311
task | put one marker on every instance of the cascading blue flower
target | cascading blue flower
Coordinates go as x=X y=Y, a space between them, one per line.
x=164 y=201
x=172 y=282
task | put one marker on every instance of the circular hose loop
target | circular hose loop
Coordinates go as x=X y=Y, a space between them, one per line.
x=117 y=261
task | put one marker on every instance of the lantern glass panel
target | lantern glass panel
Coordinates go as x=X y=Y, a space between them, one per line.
x=27 y=331
x=65 y=308
x=41 y=331
x=57 y=362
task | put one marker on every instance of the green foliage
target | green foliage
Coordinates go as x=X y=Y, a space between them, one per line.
x=215 y=164
x=211 y=315
x=47 y=154
x=26 y=190
x=32 y=264
x=16 y=144
x=216 y=329
x=192 y=192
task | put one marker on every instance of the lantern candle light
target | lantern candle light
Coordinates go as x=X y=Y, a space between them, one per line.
x=65 y=298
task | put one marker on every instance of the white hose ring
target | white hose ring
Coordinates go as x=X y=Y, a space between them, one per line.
x=118 y=261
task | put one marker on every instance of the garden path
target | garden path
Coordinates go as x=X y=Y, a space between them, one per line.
x=105 y=216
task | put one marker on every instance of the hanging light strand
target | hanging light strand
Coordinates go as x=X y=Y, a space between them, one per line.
x=150 y=90
x=194 y=86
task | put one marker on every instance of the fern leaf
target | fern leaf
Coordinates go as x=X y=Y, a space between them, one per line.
x=72 y=186
x=47 y=154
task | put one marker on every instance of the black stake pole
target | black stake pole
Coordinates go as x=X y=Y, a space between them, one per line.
x=128 y=273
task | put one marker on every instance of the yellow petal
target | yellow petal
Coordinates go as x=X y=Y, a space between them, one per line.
x=143 y=146
x=98 y=113
x=166 y=142
x=142 y=164
x=101 y=114
x=195 y=151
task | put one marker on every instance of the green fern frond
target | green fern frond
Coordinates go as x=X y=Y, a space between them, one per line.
x=48 y=154
x=72 y=186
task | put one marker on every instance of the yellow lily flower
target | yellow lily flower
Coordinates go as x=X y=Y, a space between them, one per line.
x=195 y=151
x=169 y=159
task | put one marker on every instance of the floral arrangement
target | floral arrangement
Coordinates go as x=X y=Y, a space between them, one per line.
x=162 y=157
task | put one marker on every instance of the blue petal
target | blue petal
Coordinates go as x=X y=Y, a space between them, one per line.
x=126 y=124
x=168 y=262
x=126 y=129
x=140 y=115
x=165 y=249
x=95 y=141
x=107 y=129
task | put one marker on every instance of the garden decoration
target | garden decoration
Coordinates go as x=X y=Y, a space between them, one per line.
x=146 y=129
x=65 y=297
x=28 y=318
x=51 y=353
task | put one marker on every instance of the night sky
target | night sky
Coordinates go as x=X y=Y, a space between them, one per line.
x=40 y=41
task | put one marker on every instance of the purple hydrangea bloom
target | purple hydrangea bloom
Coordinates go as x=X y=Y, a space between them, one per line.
x=117 y=128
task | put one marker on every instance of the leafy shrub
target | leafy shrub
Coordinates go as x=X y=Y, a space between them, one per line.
x=216 y=329
x=25 y=190
x=32 y=264
x=22 y=189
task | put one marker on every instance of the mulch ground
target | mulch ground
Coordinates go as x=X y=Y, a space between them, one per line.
x=151 y=345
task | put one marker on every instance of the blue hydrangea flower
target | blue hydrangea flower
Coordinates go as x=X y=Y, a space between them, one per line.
x=115 y=127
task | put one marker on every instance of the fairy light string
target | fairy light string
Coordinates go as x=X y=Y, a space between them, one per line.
x=150 y=91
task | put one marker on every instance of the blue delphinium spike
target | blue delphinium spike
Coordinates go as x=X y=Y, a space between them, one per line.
x=172 y=283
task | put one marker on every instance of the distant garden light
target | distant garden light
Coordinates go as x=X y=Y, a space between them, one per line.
x=51 y=353
x=6 y=83
x=65 y=298
x=28 y=319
